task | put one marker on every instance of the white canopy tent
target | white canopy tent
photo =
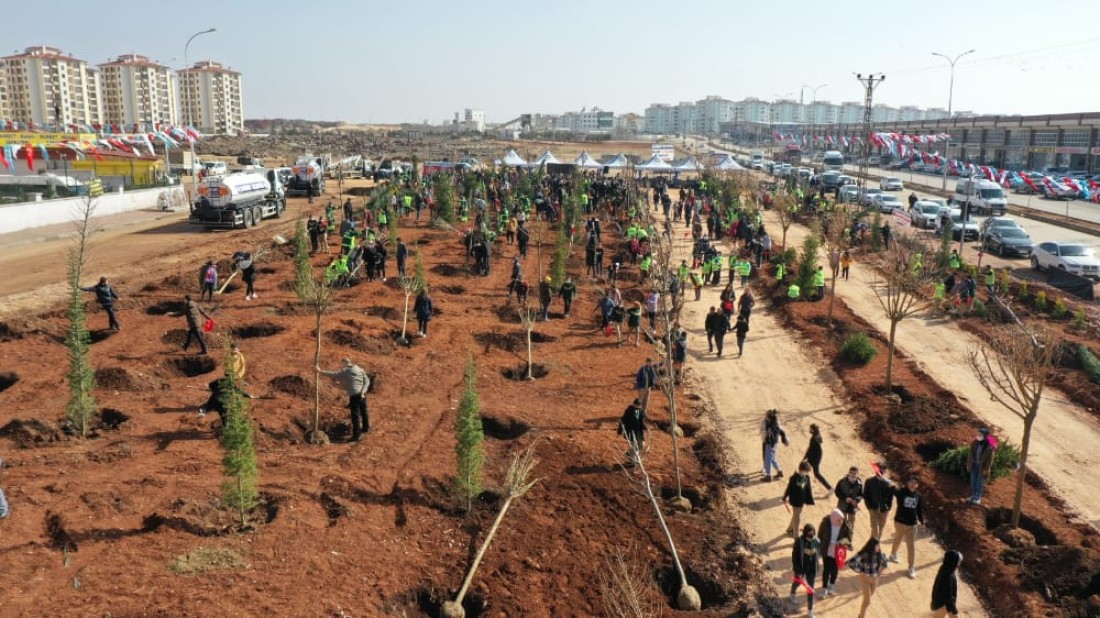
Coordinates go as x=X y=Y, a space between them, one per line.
x=618 y=162
x=654 y=164
x=728 y=164
x=689 y=164
x=511 y=159
x=546 y=158
x=586 y=161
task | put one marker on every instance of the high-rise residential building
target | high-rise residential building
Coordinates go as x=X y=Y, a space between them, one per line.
x=785 y=111
x=713 y=111
x=211 y=98
x=593 y=120
x=821 y=113
x=5 y=112
x=851 y=112
x=882 y=112
x=48 y=87
x=137 y=90
x=752 y=110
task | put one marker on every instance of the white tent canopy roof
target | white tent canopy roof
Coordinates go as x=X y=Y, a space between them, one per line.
x=619 y=161
x=585 y=160
x=511 y=159
x=654 y=164
x=727 y=163
x=546 y=158
x=689 y=164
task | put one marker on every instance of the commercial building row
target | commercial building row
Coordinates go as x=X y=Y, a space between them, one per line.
x=45 y=87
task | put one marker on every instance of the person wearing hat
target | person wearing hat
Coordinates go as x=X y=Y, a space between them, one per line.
x=568 y=291
x=546 y=295
x=834 y=532
x=356 y=382
x=979 y=464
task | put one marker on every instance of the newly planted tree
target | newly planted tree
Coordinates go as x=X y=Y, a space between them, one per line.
x=835 y=243
x=81 y=377
x=517 y=483
x=898 y=288
x=469 y=441
x=239 y=461
x=444 y=198
x=528 y=317
x=807 y=262
x=317 y=297
x=785 y=208
x=303 y=269
x=622 y=584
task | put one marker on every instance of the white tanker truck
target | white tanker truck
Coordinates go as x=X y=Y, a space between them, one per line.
x=309 y=174
x=238 y=200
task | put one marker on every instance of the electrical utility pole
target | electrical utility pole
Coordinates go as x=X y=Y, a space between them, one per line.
x=870 y=82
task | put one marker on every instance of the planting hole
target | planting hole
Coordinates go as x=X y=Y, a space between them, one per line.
x=191 y=366
x=254 y=331
x=452 y=289
x=112 y=418
x=7 y=380
x=538 y=370
x=506 y=429
x=166 y=307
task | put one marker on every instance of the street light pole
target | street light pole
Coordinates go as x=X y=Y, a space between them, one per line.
x=188 y=120
x=813 y=109
x=950 y=96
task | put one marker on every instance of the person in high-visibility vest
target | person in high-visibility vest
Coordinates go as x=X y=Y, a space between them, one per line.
x=780 y=270
x=734 y=266
x=697 y=282
x=647 y=263
x=990 y=280
x=793 y=292
x=918 y=263
x=716 y=270
x=632 y=232
x=954 y=262
x=745 y=270
x=819 y=282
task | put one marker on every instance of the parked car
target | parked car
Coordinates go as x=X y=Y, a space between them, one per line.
x=1060 y=191
x=968 y=230
x=887 y=203
x=1007 y=241
x=830 y=179
x=1068 y=256
x=849 y=194
x=925 y=214
x=996 y=222
x=846 y=180
x=891 y=183
x=867 y=198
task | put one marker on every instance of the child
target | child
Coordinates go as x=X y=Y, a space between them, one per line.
x=869 y=563
x=799 y=493
x=804 y=560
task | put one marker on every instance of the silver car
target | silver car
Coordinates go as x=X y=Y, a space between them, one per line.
x=891 y=183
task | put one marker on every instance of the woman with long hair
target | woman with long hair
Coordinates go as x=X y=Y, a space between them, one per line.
x=869 y=562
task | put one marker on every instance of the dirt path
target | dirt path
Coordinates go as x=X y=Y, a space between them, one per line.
x=1063 y=445
x=741 y=390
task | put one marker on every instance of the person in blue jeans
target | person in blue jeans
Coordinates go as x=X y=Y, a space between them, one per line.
x=979 y=464
x=772 y=432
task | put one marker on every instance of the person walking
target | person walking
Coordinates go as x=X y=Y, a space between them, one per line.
x=567 y=292
x=845 y=264
x=849 y=495
x=247 y=266
x=423 y=310
x=645 y=380
x=721 y=327
x=979 y=464
x=909 y=515
x=804 y=561
x=652 y=300
x=745 y=270
x=634 y=322
x=834 y=533
x=194 y=315
x=314 y=230
x=106 y=296
x=771 y=433
x=869 y=563
x=814 y=454
x=401 y=254
x=356 y=383
x=878 y=496
x=632 y=427
x=945 y=590
x=819 y=282
x=799 y=494
x=745 y=304
x=546 y=296
x=710 y=324
x=208 y=280
x=742 y=331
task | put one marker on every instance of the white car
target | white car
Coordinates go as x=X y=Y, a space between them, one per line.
x=891 y=183
x=1068 y=256
x=925 y=214
x=887 y=203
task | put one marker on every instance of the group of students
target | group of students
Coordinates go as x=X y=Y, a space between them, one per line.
x=834 y=536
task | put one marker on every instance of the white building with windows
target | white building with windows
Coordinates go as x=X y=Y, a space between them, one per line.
x=785 y=111
x=211 y=98
x=714 y=111
x=136 y=89
x=593 y=120
x=43 y=85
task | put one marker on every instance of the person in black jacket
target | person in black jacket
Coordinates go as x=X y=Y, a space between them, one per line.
x=709 y=326
x=804 y=561
x=909 y=515
x=106 y=296
x=945 y=589
x=402 y=254
x=423 y=310
x=799 y=493
x=632 y=426
x=878 y=496
x=814 y=453
x=742 y=330
x=849 y=493
x=244 y=263
x=721 y=326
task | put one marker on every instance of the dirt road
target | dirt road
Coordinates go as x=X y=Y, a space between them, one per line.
x=1063 y=443
x=777 y=372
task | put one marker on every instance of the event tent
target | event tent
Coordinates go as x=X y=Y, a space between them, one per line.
x=727 y=164
x=654 y=164
x=511 y=159
x=586 y=161
x=618 y=162
x=547 y=158
x=689 y=164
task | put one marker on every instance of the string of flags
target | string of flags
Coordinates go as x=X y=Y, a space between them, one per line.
x=129 y=139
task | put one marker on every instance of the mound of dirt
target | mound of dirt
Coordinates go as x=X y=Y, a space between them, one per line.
x=921 y=415
x=447 y=270
x=1058 y=572
x=355 y=341
x=509 y=342
x=31 y=432
x=383 y=311
x=175 y=337
x=538 y=370
x=293 y=385
x=115 y=378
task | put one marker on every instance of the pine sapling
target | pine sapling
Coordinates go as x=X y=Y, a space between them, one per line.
x=239 y=461
x=469 y=443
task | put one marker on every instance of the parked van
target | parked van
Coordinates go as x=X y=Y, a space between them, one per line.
x=833 y=161
x=19 y=188
x=757 y=159
x=984 y=196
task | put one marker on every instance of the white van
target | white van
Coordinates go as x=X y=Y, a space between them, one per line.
x=757 y=159
x=833 y=161
x=984 y=196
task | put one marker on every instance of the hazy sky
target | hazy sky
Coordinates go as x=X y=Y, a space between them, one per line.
x=407 y=61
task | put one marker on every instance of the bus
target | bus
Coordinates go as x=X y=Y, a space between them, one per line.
x=833 y=161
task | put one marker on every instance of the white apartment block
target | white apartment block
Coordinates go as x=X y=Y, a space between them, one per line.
x=593 y=120
x=137 y=90
x=881 y=112
x=475 y=118
x=714 y=111
x=45 y=86
x=211 y=98
x=5 y=112
x=785 y=111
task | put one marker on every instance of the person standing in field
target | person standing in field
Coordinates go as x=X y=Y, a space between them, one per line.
x=849 y=494
x=632 y=426
x=979 y=464
x=194 y=315
x=208 y=280
x=742 y=331
x=106 y=296
x=804 y=561
x=772 y=433
x=878 y=496
x=834 y=533
x=423 y=310
x=568 y=292
x=356 y=383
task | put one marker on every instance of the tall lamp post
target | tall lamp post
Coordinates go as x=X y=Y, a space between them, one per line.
x=950 y=95
x=813 y=109
x=188 y=120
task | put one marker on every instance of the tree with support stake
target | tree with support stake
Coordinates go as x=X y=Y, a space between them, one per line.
x=899 y=292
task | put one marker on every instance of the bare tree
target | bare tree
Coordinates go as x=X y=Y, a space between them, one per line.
x=897 y=286
x=528 y=317
x=1014 y=367
x=517 y=483
x=835 y=243
x=623 y=588
x=409 y=285
x=317 y=296
x=784 y=208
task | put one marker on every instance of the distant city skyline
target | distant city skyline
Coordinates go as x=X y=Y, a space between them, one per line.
x=410 y=62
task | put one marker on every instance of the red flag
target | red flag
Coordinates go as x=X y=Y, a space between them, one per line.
x=841 y=556
x=208 y=325
x=29 y=149
x=4 y=160
x=874 y=466
x=1029 y=182
x=801 y=582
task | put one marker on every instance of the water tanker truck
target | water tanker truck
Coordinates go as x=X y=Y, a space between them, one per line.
x=309 y=174
x=238 y=200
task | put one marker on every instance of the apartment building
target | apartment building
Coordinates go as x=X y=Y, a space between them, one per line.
x=135 y=89
x=211 y=98
x=45 y=86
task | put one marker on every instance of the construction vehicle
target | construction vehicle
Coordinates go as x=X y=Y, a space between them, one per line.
x=238 y=200
x=309 y=174
x=346 y=168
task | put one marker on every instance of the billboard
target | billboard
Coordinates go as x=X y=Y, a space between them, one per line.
x=22 y=138
x=665 y=152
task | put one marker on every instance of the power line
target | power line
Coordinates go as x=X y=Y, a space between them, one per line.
x=980 y=60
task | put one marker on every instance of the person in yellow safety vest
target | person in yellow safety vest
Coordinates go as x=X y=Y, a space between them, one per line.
x=745 y=270
x=716 y=269
x=941 y=289
x=780 y=270
x=685 y=272
x=706 y=269
x=702 y=186
x=408 y=201
x=337 y=270
x=632 y=232
x=584 y=201
x=464 y=210
x=990 y=280
x=383 y=218
x=697 y=282
x=793 y=292
x=348 y=242
x=954 y=262
x=643 y=234
x=819 y=282
x=759 y=220
x=918 y=262
x=734 y=266
x=647 y=263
